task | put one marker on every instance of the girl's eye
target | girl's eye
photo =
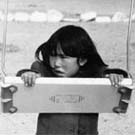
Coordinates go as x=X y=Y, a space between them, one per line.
x=63 y=56
x=53 y=54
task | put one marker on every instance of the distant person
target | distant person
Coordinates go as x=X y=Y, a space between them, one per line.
x=70 y=52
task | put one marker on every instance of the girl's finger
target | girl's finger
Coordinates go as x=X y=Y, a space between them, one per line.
x=120 y=78
x=26 y=80
x=29 y=80
x=111 y=79
x=116 y=80
x=33 y=79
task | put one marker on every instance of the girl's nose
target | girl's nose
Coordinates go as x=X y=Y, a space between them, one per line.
x=58 y=61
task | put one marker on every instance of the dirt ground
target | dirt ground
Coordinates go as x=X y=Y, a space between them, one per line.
x=110 y=39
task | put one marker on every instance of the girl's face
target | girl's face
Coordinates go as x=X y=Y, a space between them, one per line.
x=62 y=65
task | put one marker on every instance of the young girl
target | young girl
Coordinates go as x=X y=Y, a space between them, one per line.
x=70 y=52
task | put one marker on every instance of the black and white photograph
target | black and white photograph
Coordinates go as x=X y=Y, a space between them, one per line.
x=67 y=67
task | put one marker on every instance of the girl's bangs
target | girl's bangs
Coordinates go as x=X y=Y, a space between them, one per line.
x=66 y=48
x=53 y=50
x=70 y=49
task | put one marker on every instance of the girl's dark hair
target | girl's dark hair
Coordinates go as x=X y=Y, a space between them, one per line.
x=75 y=42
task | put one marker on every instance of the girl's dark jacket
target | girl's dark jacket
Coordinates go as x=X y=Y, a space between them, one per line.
x=68 y=124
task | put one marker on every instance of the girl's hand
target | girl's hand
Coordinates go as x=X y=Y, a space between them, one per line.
x=29 y=78
x=115 y=79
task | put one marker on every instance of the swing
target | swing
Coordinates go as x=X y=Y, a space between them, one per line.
x=64 y=95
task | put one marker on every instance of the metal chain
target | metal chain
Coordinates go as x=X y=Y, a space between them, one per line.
x=3 y=53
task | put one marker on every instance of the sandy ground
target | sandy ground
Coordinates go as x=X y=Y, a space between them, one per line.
x=110 y=39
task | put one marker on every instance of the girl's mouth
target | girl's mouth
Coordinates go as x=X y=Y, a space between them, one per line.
x=57 y=72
